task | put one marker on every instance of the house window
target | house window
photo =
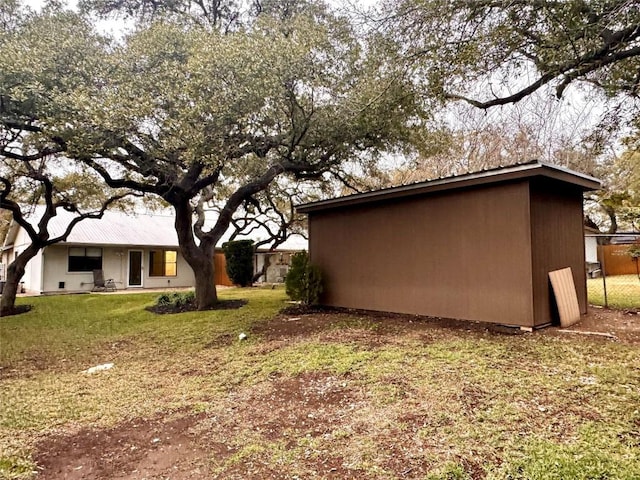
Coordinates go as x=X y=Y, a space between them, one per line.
x=163 y=263
x=83 y=259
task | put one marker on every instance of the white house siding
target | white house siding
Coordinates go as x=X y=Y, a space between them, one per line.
x=114 y=264
x=32 y=278
x=33 y=274
x=591 y=249
x=278 y=266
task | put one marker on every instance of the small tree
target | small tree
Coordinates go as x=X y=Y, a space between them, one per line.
x=304 y=280
x=239 y=257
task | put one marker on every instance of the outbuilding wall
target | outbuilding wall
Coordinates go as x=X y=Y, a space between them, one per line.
x=462 y=254
x=558 y=242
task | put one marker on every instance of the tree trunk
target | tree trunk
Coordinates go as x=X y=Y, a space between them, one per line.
x=613 y=218
x=199 y=257
x=206 y=293
x=15 y=272
x=265 y=267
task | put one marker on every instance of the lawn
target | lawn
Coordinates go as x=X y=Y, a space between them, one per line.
x=319 y=395
x=623 y=291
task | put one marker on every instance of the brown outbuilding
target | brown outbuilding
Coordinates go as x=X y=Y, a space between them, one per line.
x=474 y=247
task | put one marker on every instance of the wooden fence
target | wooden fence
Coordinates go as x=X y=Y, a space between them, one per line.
x=615 y=260
x=220 y=265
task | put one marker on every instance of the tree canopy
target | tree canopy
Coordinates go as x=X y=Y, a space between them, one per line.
x=519 y=46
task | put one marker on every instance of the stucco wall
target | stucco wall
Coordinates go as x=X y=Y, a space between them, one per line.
x=114 y=264
x=463 y=254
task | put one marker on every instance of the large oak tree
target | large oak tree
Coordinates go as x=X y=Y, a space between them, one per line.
x=195 y=115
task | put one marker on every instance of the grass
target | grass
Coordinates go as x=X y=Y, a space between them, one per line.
x=432 y=403
x=623 y=291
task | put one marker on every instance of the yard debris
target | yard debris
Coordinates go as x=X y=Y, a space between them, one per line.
x=242 y=336
x=98 y=368
x=588 y=380
x=598 y=334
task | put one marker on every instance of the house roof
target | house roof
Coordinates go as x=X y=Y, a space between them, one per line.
x=121 y=229
x=485 y=177
x=118 y=228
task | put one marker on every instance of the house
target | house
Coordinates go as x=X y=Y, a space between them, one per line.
x=474 y=247
x=279 y=260
x=136 y=251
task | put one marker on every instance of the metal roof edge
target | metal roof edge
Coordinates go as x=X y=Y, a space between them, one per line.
x=484 y=177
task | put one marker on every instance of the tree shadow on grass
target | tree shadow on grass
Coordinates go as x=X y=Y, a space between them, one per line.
x=17 y=310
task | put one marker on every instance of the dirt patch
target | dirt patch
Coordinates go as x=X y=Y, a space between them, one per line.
x=617 y=325
x=283 y=412
x=192 y=307
x=133 y=450
x=622 y=325
x=380 y=327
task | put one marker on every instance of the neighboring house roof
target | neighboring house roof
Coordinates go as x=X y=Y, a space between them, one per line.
x=485 y=177
x=294 y=243
x=615 y=238
x=122 y=229
x=625 y=238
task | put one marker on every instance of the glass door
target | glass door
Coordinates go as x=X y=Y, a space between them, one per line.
x=135 y=268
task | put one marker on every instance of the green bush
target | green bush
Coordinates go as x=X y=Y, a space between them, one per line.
x=164 y=300
x=304 y=280
x=239 y=257
x=176 y=299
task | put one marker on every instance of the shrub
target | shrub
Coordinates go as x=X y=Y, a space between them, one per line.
x=239 y=257
x=164 y=300
x=304 y=280
x=176 y=299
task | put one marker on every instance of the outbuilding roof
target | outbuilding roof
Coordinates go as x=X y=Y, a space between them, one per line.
x=485 y=177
